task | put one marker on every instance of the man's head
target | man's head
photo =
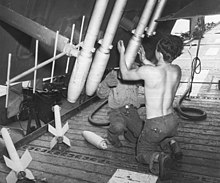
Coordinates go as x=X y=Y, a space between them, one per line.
x=170 y=47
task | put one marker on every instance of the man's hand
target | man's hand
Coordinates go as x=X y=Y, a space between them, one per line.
x=121 y=47
x=142 y=57
x=141 y=54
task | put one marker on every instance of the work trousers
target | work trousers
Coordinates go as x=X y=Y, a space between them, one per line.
x=154 y=137
x=124 y=120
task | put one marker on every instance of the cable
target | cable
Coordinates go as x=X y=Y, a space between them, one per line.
x=93 y=121
x=189 y=113
x=195 y=68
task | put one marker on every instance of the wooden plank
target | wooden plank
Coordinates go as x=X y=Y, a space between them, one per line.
x=70 y=173
x=197 y=153
x=200 y=131
x=52 y=178
x=188 y=177
x=80 y=161
x=123 y=154
x=198 y=170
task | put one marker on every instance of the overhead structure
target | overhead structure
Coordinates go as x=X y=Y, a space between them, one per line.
x=196 y=8
x=84 y=60
x=103 y=53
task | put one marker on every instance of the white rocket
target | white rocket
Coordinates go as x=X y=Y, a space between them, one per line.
x=83 y=63
x=95 y=139
x=18 y=165
x=157 y=13
x=103 y=53
x=58 y=131
x=135 y=41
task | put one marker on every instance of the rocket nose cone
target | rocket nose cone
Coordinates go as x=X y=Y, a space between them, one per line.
x=85 y=133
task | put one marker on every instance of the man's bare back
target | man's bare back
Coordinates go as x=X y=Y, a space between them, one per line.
x=161 y=84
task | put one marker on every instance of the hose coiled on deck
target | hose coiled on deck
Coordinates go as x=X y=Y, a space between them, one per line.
x=186 y=112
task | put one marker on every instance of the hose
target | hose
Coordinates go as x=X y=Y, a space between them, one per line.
x=189 y=113
x=93 y=121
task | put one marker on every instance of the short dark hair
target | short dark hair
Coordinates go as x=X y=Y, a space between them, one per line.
x=171 y=47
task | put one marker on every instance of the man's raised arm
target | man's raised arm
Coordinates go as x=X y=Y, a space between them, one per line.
x=127 y=74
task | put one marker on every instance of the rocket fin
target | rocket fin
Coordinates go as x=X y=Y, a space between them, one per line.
x=11 y=177
x=26 y=159
x=66 y=140
x=53 y=142
x=65 y=128
x=52 y=130
x=29 y=174
x=11 y=164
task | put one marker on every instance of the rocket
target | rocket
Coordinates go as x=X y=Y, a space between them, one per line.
x=17 y=165
x=135 y=41
x=95 y=139
x=103 y=53
x=157 y=13
x=84 y=60
x=58 y=131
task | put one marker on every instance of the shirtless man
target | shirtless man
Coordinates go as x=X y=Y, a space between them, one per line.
x=160 y=83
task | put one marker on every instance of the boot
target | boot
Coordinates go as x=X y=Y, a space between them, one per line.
x=176 y=150
x=165 y=165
